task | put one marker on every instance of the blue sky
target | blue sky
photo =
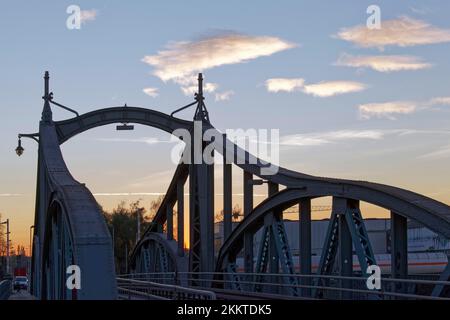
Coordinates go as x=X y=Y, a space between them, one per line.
x=101 y=65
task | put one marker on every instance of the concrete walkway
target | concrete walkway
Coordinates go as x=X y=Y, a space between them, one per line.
x=21 y=295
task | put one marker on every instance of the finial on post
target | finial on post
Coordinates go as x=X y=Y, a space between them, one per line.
x=46 y=81
x=201 y=113
x=47 y=111
x=200 y=85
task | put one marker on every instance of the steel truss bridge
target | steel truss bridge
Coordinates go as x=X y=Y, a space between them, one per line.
x=70 y=229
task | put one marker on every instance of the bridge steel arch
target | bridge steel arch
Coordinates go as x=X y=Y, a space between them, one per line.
x=66 y=129
x=78 y=211
x=66 y=206
x=156 y=258
x=76 y=225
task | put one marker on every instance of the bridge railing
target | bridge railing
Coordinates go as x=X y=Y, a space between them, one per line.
x=5 y=289
x=306 y=286
x=129 y=288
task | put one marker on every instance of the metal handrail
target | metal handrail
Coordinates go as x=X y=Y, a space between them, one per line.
x=381 y=293
x=311 y=276
x=339 y=289
x=208 y=295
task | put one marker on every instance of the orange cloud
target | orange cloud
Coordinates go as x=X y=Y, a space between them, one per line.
x=403 y=32
x=181 y=60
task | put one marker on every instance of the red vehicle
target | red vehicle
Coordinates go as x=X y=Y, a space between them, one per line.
x=20 y=272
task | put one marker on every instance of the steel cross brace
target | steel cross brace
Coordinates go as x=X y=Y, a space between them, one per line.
x=445 y=276
x=360 y=240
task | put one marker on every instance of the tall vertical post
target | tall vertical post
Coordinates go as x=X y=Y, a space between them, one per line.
x=227 y=194
x=113 y=242
x=7 y=247
x=201 y=204
x=180 y=222
x=138 y=225
x=248 y=207
x=305 y=242
x=399 y=248
x=274 y=261
x=201 y=198
x=340 y=205
x=169 y=215
x=31 y=249
x=126 y=258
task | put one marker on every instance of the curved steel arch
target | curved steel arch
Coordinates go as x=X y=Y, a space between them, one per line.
x=66 y=129
x=86 y=228
x=169 y=247
x=433 y=214
x=288 y=197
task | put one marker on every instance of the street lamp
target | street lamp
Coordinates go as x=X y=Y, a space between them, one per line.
x=19 y=149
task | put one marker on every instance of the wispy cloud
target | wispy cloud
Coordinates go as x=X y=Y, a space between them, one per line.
x=147 y=140
x=440 y=101
x=383 y=63
x=403 y=32
x=88 y=15
x=329 y=137
x=116 y=194
x=386 y=109
x=181 y=60
x=321 y=89
x=223 y=96
x=320 y=138
x=391 y=109
x=421 y=10
x=132 y=194
x=442 y=152
x=152 y=92
x=284 y=84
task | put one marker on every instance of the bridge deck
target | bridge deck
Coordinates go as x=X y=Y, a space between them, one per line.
x=21 y=295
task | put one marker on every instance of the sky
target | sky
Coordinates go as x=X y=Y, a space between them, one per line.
x=349 y=101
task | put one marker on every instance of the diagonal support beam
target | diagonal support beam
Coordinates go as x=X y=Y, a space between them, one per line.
x=346 y=230
x=285 y=255
x=445 y=276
